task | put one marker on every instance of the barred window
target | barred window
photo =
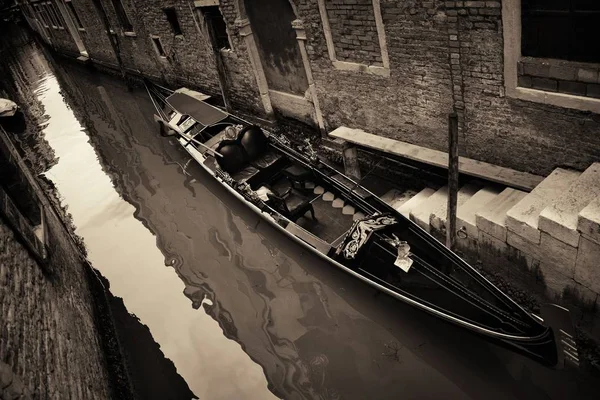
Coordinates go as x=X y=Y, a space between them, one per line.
x=561 y=29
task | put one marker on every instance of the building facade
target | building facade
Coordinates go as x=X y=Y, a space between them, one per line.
x=523 y=75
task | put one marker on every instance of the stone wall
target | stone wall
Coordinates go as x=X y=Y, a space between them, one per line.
x=522 y=135
x=48 y=336
x=442 y=55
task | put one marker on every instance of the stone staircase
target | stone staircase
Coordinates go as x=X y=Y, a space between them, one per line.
x=556 y=226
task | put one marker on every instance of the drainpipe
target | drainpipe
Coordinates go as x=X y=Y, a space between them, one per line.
x=111 y=38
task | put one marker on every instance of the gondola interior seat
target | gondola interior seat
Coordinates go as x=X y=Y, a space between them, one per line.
x=256 y=146
x=234 y=161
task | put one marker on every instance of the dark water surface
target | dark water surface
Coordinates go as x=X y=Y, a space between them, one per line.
x=242 y=312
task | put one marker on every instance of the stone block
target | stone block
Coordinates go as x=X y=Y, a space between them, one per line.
x=574 y=88
x=562 y=72
x=396 y=198
x=550 y=251
x=587 y=268
x=465 y=215
x=523 y=217
x=421 y=213
x=547 y=84
x=524 y=81
x=492 y=219
x=587 y=75
x=588 y=223
x=406 y=208
x=438 y=216
x=488 y=243
x=554 y=281
x=593 y=90
x=536 y=69
x=555 y=252
x=560 y=219
x=523 y=245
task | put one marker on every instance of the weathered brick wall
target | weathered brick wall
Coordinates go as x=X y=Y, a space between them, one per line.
x=47 y=334
x=412 y=104
x=442 y=54
x=522 y=135
x=190 y=59
x=354 y=32
x=94 y=37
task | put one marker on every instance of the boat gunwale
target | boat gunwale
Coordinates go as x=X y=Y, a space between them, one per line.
x=457 y=321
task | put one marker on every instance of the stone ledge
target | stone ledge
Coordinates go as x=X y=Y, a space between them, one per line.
x=479 y=169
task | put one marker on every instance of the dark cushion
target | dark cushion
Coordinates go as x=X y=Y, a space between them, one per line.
x=233 y=158
x=245 y=174
x=266 y=160
x=254 y=141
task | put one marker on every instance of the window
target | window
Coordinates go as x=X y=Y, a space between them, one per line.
x=355 y=35
x=158 y=46
x=562 y=29
x=74 y=15
x=51 y=15
x=173 y=21
x=41 y=15
x=122 y=16
x=216 y=27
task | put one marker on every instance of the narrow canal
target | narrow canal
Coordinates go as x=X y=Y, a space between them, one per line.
x=242 y=312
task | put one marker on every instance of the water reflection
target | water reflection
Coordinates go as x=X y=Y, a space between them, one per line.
x=313 y=331
x=126 y=253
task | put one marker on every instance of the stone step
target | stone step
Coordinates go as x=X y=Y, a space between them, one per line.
x=438 y=217
x=396 y=198
x=432 y=212
x=560 y=219
x=588 y=223
x=492 y=218
x=465 y=215
x=407 y=207
x=523 y=218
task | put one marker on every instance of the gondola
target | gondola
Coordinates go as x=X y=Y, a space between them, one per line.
x=314 y=204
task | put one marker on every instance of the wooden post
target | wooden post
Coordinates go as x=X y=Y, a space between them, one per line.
x=452 y=180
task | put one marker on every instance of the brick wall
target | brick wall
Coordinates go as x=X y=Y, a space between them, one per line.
x=354 y=32
x=47 y=335
x=412 y=104
x=443 y=54
x=523 y=135
x=94 y=36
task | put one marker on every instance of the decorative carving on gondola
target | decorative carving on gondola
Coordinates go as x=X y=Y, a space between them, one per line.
x=310 y=152
x=248 y=193
x=224 y=176
x=361 y=232
x=282 y=139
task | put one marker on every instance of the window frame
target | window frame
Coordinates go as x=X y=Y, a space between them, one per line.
x=352 y=66
x=511 y=20
x=205 y=10
x=73 y=13
x=174 y=24
x=154 y=39
x=127 y=19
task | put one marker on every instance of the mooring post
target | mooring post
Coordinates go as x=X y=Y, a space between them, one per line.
x=452 y=180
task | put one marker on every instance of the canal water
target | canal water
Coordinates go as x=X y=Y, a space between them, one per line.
x=240 y=311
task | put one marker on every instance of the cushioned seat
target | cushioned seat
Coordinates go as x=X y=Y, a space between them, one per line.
x=266 y=160
x=245 y=174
